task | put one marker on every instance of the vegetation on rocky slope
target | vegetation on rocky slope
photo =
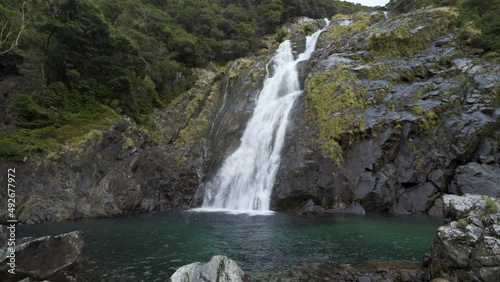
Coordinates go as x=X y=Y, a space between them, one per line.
x=478 y=21
x=400 y=36
x=413 y=35
x=68 y=66
x=335 y=104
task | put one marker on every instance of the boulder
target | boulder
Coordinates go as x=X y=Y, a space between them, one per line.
x=43 y=257
x=477 y=178
x=3 y=236
x=468 y=247
x=219 y=268
x=311 y=208
x=437 y=209
x=355 y=208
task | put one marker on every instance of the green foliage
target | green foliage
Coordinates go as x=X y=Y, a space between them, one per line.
x=281 y=34
x=426 y=124
x=319 y=8
x=490 y=207
x=12 y=23
x=335 y=104
x=414 y=35
x=10 y=150
x=462 y=223
x=417 y=110
x=42 y=140
x=478 y=21
x=83 y=63
x=361 y=21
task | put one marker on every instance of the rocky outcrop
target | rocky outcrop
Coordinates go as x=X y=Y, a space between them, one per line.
x=219 y=268
x=116 y=171
x=43 y=257
x=467 y=248
x=475 y=178
x=126 y=169
x=393 y=116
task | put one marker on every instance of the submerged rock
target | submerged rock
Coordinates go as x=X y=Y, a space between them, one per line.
x=468 y=247
x=43 y=257
x=218 y=269
x=370 y=272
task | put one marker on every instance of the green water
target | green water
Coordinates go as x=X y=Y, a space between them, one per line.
x=151 y=247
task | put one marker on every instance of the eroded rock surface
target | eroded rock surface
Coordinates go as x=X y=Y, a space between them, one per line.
x=393 y=116
x=467 y=248
x=43 y=257
x=218 y=269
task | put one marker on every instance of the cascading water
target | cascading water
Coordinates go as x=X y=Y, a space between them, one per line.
x=245 y=180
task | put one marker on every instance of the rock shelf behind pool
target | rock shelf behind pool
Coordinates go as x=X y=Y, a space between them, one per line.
x=43 y=257
x=219 y=268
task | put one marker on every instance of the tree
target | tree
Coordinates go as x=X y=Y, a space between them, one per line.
x=12 y=24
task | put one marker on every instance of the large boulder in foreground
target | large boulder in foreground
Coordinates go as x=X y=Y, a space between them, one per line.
x=219 y=268
x=467 y=248
x=43 y=257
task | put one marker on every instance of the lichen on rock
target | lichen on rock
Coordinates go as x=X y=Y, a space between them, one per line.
x=467 y=248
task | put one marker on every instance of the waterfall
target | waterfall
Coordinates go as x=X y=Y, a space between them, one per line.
x=244 y=182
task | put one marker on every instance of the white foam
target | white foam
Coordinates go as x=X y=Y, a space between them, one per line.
x=232 y=211
x=244 y=182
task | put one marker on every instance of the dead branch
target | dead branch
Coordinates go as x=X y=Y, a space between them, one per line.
x=6 y=31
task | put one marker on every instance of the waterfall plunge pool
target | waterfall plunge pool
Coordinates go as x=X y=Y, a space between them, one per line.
x=151 y=247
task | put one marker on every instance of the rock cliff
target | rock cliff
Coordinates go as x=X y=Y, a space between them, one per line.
x=394 y=115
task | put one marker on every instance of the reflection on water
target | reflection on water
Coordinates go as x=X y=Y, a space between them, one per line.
x=151 y=247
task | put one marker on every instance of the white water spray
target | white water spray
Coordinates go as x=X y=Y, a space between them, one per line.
x=244 y=182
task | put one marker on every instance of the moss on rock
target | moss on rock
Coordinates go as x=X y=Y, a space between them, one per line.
x=413 y=33
x=335 y=104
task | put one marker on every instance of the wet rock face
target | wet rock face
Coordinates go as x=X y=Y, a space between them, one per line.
x=393 y=116
x=120 y=170
x=219 y=268
x=117 y=172
x=475 y=178
x=126 y=169
x=467 y=248
x=389 y=125
x=43 y=257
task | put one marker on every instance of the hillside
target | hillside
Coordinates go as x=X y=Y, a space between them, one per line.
x=70 y=66
x=262 y=114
